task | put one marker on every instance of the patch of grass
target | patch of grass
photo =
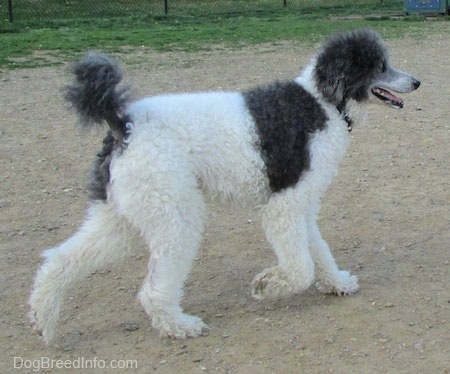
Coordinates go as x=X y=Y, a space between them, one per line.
x=59 y=40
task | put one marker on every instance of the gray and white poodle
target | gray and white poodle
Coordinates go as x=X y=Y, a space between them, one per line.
x=278 y=146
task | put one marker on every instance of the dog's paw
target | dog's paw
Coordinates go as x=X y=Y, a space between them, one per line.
x=44 y=330
x=183 y=327
x=343 y=284
x=325 y=287
x=273 y=283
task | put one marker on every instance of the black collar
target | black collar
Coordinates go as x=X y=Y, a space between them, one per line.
x=341 y=108
x=349 y=121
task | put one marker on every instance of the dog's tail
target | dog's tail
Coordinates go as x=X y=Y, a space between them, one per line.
x=94 y=93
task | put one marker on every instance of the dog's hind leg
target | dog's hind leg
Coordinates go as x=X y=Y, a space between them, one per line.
x=330 y=278
x=167 y=207
x=285 y=225
x=174 y=241
x=103 y=238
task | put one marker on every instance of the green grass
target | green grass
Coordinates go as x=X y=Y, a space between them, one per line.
x=48 y=41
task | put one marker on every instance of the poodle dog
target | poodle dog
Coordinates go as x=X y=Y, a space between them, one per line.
x=277 y=146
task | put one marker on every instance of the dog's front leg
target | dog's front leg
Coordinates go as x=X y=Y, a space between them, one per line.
x=285 y=224
x=330 y=278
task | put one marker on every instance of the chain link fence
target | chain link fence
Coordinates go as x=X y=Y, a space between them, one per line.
x=20 y=10
x=42 y=10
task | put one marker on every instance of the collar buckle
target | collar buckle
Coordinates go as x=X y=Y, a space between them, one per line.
x=349 y=121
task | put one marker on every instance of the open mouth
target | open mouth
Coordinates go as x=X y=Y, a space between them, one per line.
x=388 y=97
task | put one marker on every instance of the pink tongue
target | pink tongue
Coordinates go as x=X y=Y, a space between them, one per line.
x=388 y=95
x=391 y=96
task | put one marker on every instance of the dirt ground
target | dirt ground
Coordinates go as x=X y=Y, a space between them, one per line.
x=386 y=217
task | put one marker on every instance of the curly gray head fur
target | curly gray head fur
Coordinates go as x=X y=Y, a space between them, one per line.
x=347 y=64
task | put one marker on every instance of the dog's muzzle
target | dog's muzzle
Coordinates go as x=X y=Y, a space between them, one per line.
x=398 y=82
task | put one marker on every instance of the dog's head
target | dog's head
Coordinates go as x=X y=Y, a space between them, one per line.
x=355 y=66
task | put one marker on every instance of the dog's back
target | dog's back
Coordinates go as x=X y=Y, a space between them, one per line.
x=213 y=130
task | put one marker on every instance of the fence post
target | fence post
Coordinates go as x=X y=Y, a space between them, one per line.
x=10 y=10
x=166 y=7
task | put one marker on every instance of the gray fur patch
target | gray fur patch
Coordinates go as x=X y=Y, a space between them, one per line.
x=99 y=174
x=286 y=116
x=96 y=98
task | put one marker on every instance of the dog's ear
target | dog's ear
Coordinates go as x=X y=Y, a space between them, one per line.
x=333 y=88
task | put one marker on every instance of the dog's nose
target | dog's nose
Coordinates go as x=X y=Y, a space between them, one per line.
x=416 y=84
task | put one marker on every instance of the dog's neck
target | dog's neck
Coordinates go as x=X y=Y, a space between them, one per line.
x=351 y=112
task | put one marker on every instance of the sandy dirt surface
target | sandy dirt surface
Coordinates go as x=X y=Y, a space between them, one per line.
x=386 y=217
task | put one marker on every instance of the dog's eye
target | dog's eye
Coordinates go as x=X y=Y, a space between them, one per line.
x=382 y=67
